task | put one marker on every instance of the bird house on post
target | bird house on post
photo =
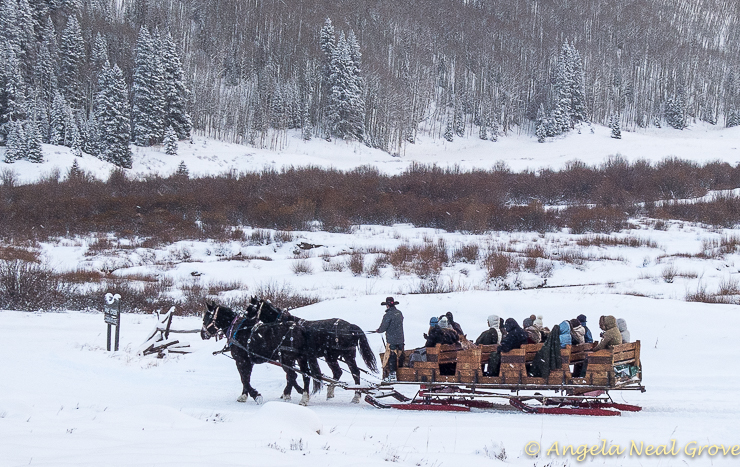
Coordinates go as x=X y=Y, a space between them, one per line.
x=112 y=316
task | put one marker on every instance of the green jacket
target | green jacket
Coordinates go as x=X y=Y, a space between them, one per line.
x=612 y=336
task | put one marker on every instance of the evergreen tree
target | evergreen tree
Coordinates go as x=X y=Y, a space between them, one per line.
x=306 y=127
x=11 y=88
x=74 y=138
x=733 y=119
x=176 y=92
x=675 y=113
x=182 y=170
x=34 y=152
x=99 y=55
x=72 y=57
x=449 y=131
x=112 y=118
x=44 y=73
x=327 y=39
x=615 y=126
x=59 y=119
x=15 y=143
x=148 y=92
x=170 y=141
x=541 y=129
x=346 y=106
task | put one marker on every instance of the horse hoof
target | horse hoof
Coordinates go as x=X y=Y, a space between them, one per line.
x=285 y=397
x=242 y=398
x=330 y=392
x=259 y=400
x=304 y=401
x=356 y=399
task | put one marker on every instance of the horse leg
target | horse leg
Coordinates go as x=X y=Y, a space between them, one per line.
x=336 y=373
x=290 y=377
x=244 y=366
x=355 y=375
x=303 y=365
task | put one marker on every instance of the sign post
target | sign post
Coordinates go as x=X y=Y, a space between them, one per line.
x=112 y=316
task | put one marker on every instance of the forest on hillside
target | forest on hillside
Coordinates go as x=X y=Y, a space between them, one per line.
x=96 y=75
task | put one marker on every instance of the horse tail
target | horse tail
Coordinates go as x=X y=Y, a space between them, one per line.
x=315 y=372
x=367 y=353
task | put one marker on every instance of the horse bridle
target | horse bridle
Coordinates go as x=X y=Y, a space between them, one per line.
x=212 y=324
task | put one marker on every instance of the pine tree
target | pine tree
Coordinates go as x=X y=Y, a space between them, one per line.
x=148 y=90
x=44 y=74
x=733 y=119
x=182 y=170
x=176 y=92
x=34 y=153
x=449 y=131
x=346 y=106
x=306 y=127
x=58 y=120
x=327 y=39
x=541 y=130
x=11 y=88
x=15 y=142
x=615 y=126
x=675 y=113
x=99 y=55
x=170 y=141
x=74 y=138
x=112 y=116
x=72 y=57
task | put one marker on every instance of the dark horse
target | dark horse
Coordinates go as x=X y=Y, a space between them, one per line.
x=252 y=342
x=332 y=339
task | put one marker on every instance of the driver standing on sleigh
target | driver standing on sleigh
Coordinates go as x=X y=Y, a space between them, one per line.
x=392 y=326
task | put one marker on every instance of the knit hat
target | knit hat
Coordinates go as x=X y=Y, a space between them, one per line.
x=538 y=321
x=389 y=301
x=434 y=321
x=582 y=319
x=443 y=323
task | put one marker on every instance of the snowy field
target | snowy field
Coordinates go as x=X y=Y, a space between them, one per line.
x=66 y=401
x=700 y=142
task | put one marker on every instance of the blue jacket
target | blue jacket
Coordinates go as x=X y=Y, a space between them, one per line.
x=565 y=334
x=588 y=337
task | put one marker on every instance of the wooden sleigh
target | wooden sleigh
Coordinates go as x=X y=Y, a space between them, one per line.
x=455 y=379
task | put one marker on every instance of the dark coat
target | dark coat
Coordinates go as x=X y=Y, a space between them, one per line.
x=438 y=335
x=515 y=336
x=548 y=357
x=392 y=326
x=588 y=337
x=488 y=337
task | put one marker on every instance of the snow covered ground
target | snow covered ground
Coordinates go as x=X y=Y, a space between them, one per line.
x=66 y=401
x=699 y=142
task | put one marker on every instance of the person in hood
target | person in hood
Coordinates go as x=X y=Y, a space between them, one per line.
x=622 y=326
x=515 y=338
x=453 y=324
x=588 y=338
x=441 y=333
x=577 y=332
x=565 y=338
x=611 y=335
x=533 y=334
x=392 y=326
x=527 y=322
x=539 y=324
x=492 y=335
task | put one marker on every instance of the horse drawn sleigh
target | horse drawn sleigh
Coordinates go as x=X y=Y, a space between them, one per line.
x=449 y=378
x=455 y=379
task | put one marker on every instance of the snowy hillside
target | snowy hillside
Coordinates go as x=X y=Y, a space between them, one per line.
x=700 y=142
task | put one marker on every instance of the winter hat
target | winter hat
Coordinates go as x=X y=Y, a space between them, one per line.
x=449 y=317
x=389 y=301
x=538 y=321
x=493 y=321
x=574 y=323
x=443 y=323
x=582 y=319
x=434 y=321
x=527 y=322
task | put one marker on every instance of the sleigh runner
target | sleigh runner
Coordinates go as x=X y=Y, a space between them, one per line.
x=456 y=379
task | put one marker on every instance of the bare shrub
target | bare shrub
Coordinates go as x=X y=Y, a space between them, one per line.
x=282 y=295
x=29 y=286
x=729 y=286
x=301 y=266
x=356 y=263
x=282 y=236
x=333 y=266
x=302 y=254
x=535 y=251
x=260 y=237
x=244 y=257
x=669 y=273
x=433 y=285
x=544 y=268
x=9 y=253
x=530 y=264
x=467 y=253
x=608 y=240
x=379 y=262
x=498 y=265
